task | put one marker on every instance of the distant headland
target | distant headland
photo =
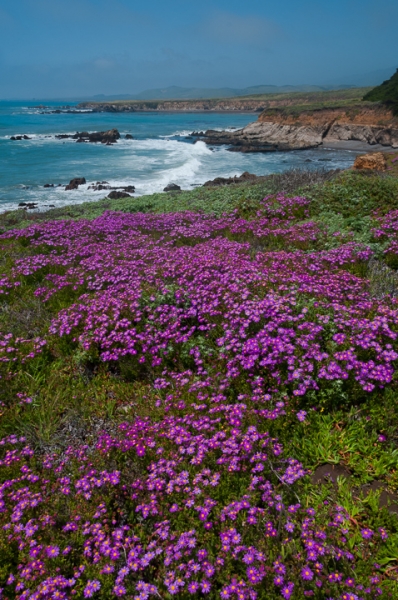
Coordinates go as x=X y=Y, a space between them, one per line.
x=286 y=121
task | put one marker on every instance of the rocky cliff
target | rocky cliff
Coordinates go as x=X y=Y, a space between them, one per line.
x=224 y=105
x=279 y=130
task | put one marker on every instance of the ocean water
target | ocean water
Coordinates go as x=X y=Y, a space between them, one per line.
x=159 y=153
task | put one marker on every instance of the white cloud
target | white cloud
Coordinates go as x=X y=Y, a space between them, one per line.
x=103 y=63
x=232 y=28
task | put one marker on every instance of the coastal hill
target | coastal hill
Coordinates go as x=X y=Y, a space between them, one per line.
x=175 y=92
x=386 y=93
x=256 y=102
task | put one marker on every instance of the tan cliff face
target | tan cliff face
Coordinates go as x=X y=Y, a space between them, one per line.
x=375 y=116
x=278 y=130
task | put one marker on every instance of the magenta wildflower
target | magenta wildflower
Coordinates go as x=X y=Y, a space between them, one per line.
x=383 y=533
x=307 y=574
x=91 y=587
x=301 y=415
x=193 y=587
x=119 y=590
x=205 y=587
x=287 y=590
x=367 y=534
x=52 y=551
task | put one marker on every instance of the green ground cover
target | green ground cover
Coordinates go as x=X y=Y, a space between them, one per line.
x=66 y=395
x=387 y=93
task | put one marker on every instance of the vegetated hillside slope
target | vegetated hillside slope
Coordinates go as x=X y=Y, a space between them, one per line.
x=180 y=374
x=181 y=93
x=386 y=93
x=377 y=106
x=317 y=109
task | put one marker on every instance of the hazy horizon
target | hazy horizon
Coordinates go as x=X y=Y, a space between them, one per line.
x=64 y=49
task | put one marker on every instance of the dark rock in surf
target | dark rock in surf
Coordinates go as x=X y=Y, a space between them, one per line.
x=116 y=195
x=246 y=176
x=98 y=187
x=172 y=187
x=104 y=137
x=28 y=205
x=104 y=185
x=74 y=183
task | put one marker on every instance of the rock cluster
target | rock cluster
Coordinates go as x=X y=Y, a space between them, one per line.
x=172 y=187
x=74 y=183
x=19 y=138
x=116 y=195
x=246 y=176
x=104 y=185
x=28 y=205
x=104 y=137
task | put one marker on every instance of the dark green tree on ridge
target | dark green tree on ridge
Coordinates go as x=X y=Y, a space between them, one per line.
x=387 y=93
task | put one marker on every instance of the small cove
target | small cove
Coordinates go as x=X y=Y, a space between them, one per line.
x=161 y=152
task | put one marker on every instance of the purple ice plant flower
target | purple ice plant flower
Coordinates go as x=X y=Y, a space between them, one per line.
x=52 y=551
x=366 y=533
x=91 y=587
x=193 y=587
x=301 y=415
x=306 y=574
x=287 y=590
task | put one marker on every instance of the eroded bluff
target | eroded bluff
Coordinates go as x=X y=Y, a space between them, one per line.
x=275 y=131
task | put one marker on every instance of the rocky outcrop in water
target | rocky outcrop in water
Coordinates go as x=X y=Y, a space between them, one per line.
x=74 y=183
x=279 y=132
x=104 y=185
x=245 y=177
x=172 y=187
x=116 y=195
x=18 y=138
x=104 y=137
x=28 y=205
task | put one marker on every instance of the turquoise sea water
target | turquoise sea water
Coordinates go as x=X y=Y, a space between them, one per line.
x=159 y=153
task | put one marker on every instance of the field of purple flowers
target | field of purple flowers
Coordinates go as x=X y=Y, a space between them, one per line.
x=170 y=382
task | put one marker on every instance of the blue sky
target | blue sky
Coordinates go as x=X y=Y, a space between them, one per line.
x=66 y=48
